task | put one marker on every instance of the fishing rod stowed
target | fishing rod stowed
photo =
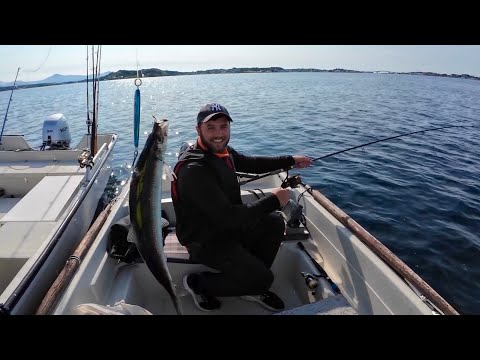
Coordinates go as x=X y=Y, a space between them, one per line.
x=85 y=159
x=256 y=177
x=89 y=122
x=95 y=96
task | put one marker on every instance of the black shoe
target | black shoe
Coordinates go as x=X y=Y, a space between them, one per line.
x=203 y=302
x=268 y=300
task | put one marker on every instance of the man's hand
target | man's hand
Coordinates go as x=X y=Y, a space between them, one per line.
x=301 y=161
x=283 y=195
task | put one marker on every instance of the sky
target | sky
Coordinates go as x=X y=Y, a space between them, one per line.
x=38 y=62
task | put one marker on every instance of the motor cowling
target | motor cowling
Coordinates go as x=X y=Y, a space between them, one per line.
x=56 y=132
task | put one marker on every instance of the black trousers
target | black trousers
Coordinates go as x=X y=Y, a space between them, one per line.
x=244 y=260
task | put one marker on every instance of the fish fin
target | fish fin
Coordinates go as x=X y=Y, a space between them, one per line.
x=168 y=173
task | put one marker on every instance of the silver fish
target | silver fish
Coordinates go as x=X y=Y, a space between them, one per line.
x=145 y=208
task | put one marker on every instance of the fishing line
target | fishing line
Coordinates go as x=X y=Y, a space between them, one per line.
x=44 y=61
x=256 y=177
x=33 y=71
x=389 y=138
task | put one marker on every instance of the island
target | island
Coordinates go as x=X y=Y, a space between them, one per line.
x=153 y=72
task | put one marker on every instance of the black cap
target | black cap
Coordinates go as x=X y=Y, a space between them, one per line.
x=209 y=111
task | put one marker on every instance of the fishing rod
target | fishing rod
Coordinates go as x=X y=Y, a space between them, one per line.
x=8 y=106
x=256 y=177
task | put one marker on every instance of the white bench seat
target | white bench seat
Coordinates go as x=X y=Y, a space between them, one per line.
x=43 y=167
x=46 y=201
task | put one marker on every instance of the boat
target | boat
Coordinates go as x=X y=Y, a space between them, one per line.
x=48 y=199
x=327 y=264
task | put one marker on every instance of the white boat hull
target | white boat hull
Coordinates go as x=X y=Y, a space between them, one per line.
x=26 y=289
x=367 y=284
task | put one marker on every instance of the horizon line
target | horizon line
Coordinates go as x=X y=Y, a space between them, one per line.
x=257 y=67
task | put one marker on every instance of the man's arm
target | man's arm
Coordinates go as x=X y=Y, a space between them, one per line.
x=260 y=164
x=264 y=164
x=199 y=187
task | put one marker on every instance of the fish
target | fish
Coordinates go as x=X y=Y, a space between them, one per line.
x=145 y=208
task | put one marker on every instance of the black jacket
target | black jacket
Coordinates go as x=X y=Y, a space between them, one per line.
x=206 y=195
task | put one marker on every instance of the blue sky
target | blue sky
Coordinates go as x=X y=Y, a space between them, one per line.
x=38 y=62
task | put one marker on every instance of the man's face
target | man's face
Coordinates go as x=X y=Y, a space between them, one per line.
x=215 y=134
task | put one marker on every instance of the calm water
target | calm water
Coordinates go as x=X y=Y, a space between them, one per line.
x=419 y=195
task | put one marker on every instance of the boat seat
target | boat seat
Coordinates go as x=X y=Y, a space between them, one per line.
x=46 y=201
x=174 y=251
x=177 y=253
x=120 y=248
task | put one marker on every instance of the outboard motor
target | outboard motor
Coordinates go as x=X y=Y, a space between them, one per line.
x=56 y=133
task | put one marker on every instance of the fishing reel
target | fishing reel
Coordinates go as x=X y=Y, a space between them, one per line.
x=311 y=281
x=291 y=181
x=292 y=211
x=85 y=159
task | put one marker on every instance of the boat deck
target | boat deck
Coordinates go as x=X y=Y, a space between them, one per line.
x=135 y=284
x=26 y=222
x=113 y=282
x=367 y=285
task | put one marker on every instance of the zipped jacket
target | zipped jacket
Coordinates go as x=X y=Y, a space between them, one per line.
x=206 y=194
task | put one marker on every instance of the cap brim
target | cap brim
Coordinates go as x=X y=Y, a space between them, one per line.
x=209 y=117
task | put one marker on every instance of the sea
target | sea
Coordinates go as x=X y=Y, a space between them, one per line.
x=418 y=194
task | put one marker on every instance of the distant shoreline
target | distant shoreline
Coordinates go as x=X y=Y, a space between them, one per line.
x=146 y=73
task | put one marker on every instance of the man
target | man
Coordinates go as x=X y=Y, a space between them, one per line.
x=239 y=240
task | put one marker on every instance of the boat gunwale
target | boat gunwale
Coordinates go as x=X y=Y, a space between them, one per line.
x=429 y=296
